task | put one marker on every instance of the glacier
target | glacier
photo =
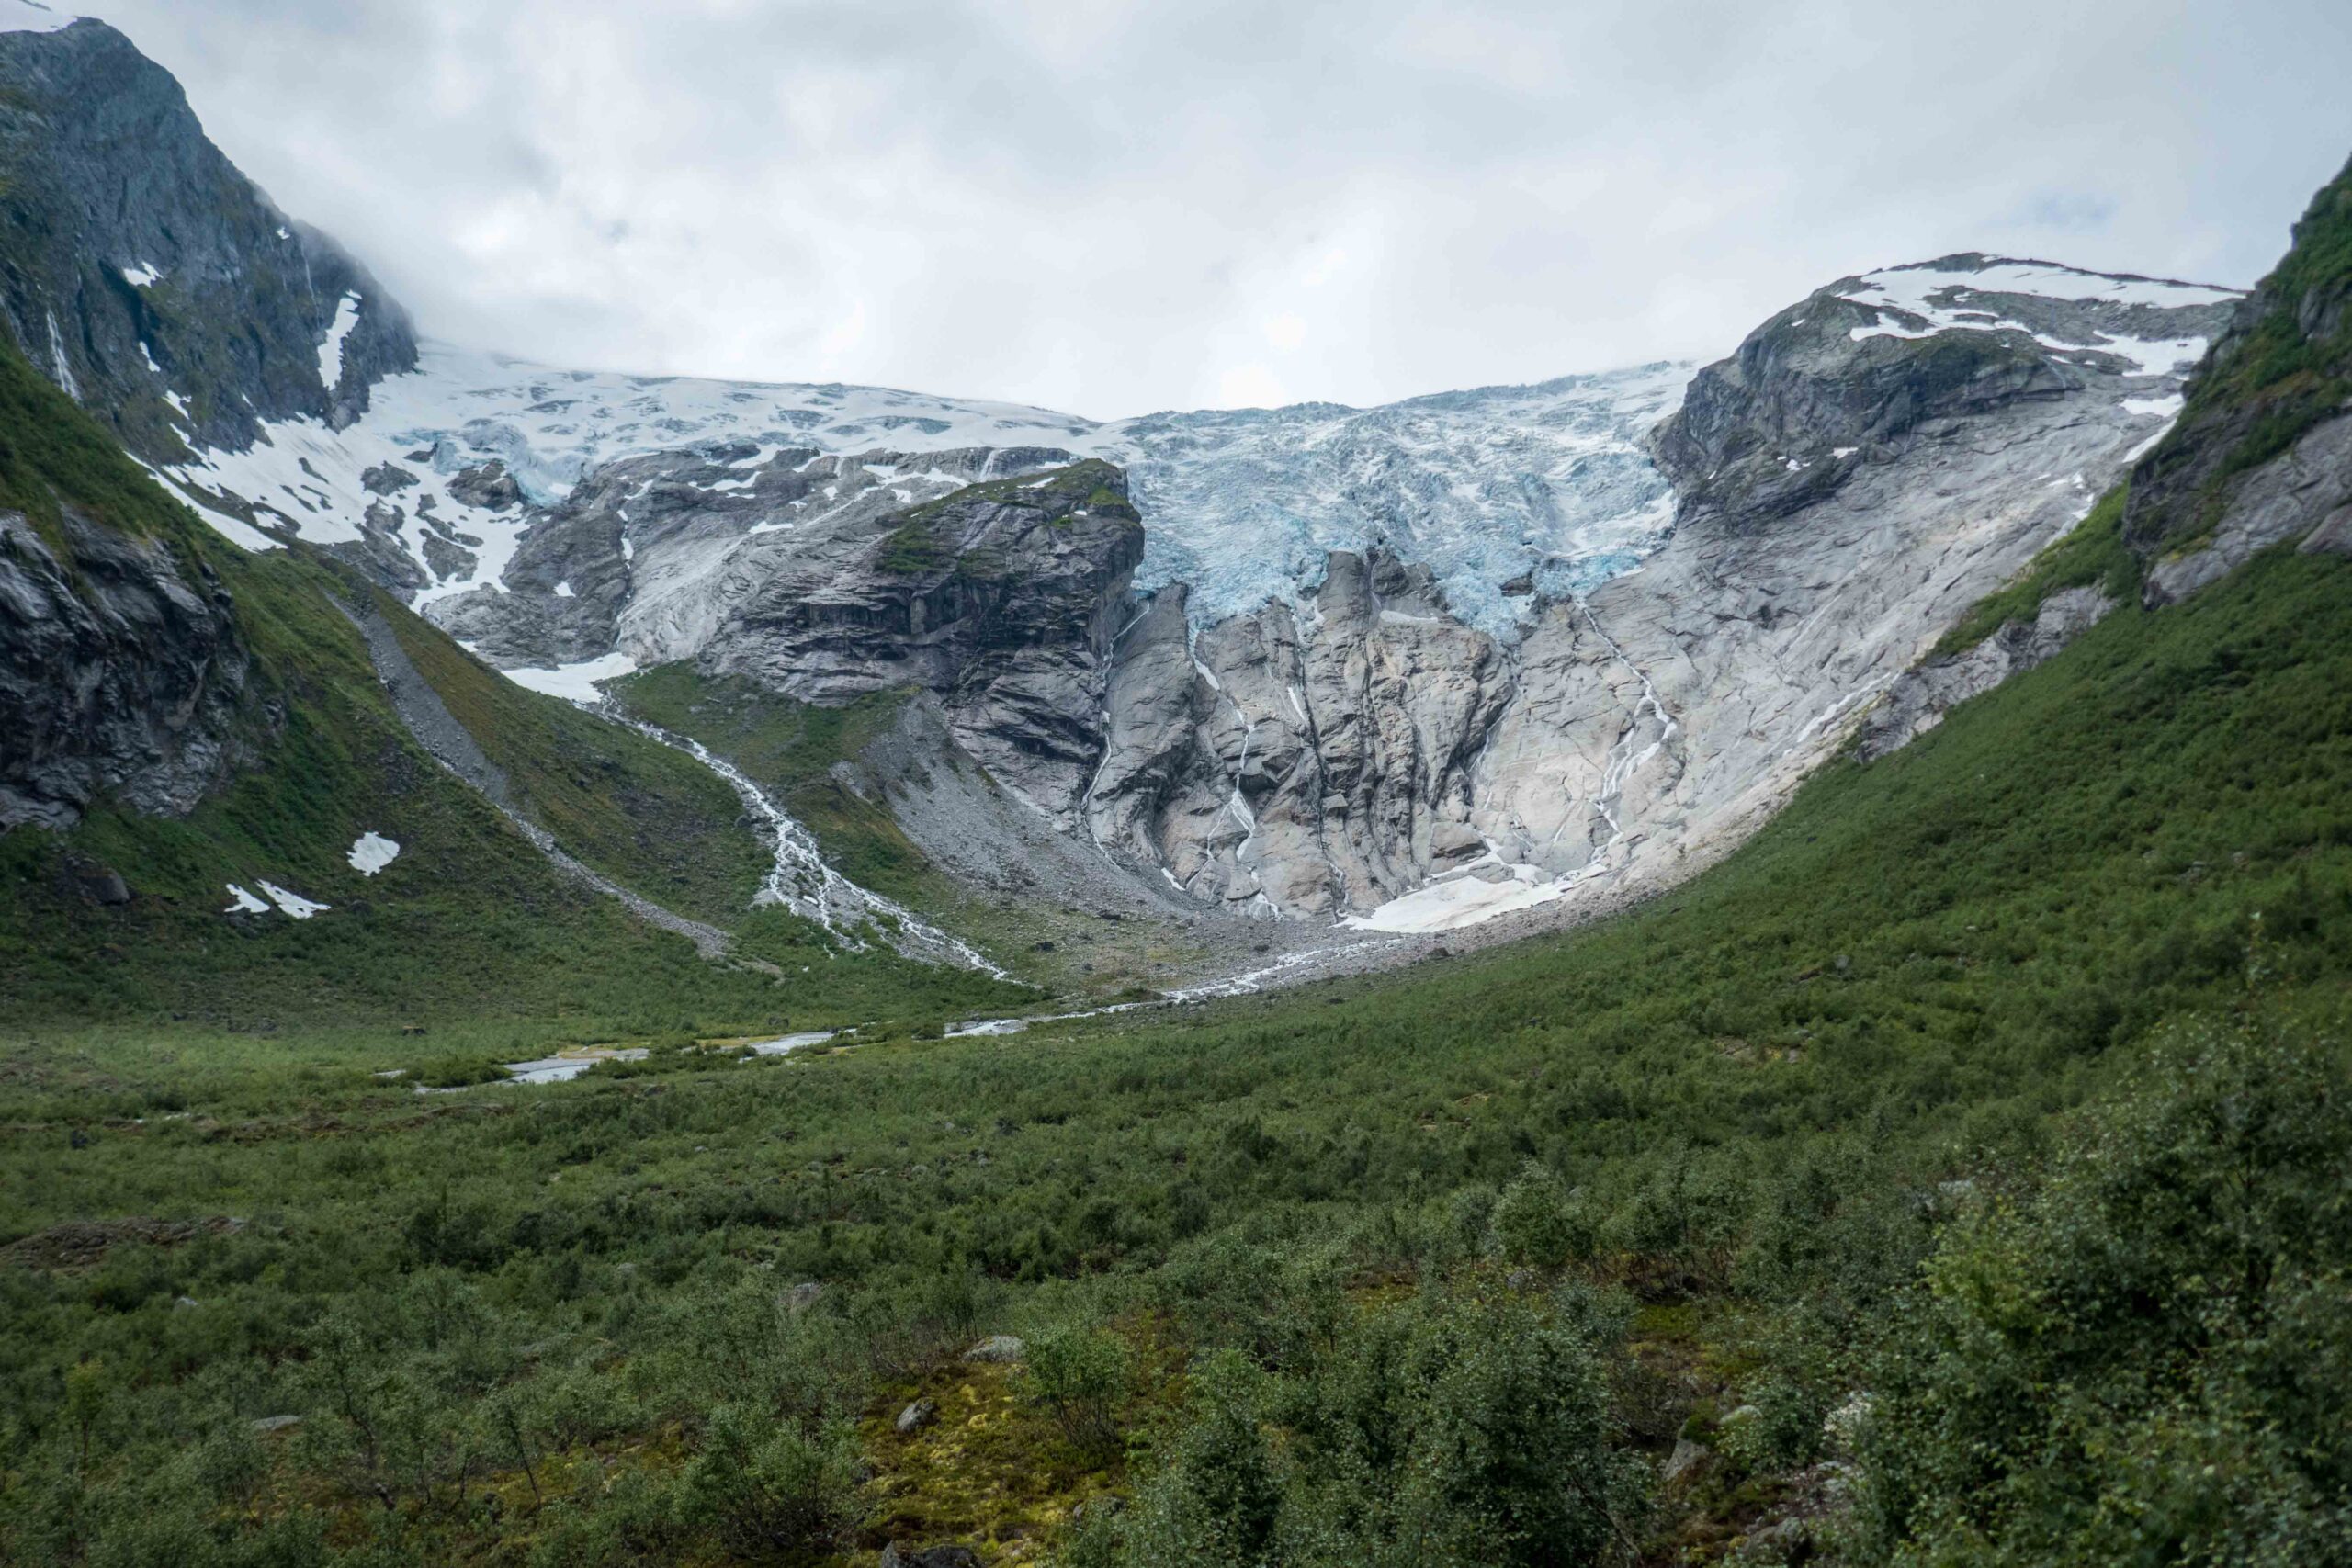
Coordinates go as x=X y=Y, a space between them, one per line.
x=1546 y=483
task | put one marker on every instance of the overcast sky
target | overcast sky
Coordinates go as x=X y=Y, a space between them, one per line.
x=1114 y=207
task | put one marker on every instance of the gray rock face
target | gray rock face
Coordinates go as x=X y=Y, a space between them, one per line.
x=150 y=279
x=1854 y=479
x=2279 y=369
x=121 y=671
x=486 y=485
x=650 y=555
x=1920 y=697
x=998 y=598
x=1869 y=464
x=2304 y=493
x=1849 y=375
x=1287 y=766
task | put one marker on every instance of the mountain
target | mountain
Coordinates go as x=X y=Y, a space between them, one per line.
x=148 y=278
x=1412 y=667
x=1952 y=1173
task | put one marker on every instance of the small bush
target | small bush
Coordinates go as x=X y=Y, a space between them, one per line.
x=1080 y=1378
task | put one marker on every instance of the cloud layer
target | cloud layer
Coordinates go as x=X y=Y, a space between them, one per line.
x=1113 y=207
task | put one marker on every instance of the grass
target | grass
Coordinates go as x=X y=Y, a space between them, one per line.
x=646 y=814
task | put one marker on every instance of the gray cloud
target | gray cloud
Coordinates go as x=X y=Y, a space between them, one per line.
x=1113 y=207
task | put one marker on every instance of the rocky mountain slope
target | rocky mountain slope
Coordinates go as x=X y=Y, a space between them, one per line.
x=234 y=783
x=1410 y=667
x=2261 y=458
x=150 y=279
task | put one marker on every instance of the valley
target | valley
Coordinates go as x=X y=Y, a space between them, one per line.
x=1728 y=963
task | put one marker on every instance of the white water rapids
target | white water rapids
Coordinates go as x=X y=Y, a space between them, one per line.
x=803 y=883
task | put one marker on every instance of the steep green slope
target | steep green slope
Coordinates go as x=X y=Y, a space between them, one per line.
x=790 y=748
x=470 y=925
x=650 y=815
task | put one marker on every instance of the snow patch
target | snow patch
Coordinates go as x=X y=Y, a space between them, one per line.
x=575 y=682
x=236 y=530
x=246 y=903
x=293 y=903
x=347 y=316
x=1461 y=901
x=141 y=276
x=1946 y=299
x=371 y=853
x=563 y=590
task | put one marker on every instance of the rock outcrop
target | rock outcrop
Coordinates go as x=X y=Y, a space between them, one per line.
x=650 y=555
x=2263 y=451
x=152 y=281
x=1299 y=765
x=121 y=672
x=1920 y=697
x=1000 y=599
x=1871 y=463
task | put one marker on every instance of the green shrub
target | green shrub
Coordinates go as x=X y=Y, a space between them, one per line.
x=1080 y=1378
x=1540 y=1221
x=2146 y=1362
x=762 y=1486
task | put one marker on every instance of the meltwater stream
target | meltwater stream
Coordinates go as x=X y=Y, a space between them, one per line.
x=803 y=883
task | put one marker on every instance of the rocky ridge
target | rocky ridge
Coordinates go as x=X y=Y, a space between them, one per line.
x=150 y=279
x=1853 y=479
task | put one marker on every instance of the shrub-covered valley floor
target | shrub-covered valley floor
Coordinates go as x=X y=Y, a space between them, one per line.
x=1956 y=1174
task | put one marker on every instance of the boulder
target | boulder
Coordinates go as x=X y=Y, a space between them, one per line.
x=997 y=1348
x=1688 y=1462
x=897 y=1556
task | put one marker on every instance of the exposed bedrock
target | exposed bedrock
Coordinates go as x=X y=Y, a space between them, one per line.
x=1300 y=764
x=1868 y=465
x=121 y=672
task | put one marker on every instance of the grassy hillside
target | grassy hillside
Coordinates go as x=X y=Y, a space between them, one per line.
x=651 y=816
x=1673 y=1176
x=789 y=749
x=469 y=931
